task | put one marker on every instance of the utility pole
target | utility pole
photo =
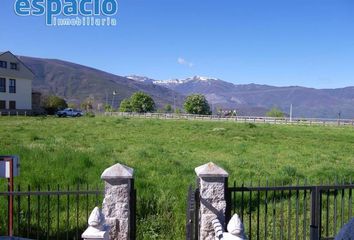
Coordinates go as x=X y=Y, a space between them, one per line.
x=339 y=117
x=291 y=112
x=114 y=93
x=106 y=97
x=174 y=103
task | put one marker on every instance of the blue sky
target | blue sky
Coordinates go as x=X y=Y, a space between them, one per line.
x=275 y=42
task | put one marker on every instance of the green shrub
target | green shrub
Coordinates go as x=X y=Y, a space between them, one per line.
x=168 y=108
x=90 y=114
x=125 y=106
x=275 y=112
x=51 y=104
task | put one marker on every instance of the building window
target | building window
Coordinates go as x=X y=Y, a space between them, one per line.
x=2 y=84
x=14 y=66
x=2 y=104
x=3 y=64
x=12 y=86
x=12 y=105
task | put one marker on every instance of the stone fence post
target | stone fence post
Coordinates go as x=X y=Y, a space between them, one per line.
x=117 y=204
x=212 y=181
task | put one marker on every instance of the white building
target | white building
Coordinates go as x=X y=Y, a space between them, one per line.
x=15 y=83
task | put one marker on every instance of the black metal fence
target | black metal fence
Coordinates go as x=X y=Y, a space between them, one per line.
x=291 y=212
x=47 y=213
x=283 y=212
x=192 y=223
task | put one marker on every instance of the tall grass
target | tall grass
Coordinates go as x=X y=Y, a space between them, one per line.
x=71 y=151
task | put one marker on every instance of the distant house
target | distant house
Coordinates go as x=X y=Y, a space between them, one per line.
x=227 y=112
x=15 y=84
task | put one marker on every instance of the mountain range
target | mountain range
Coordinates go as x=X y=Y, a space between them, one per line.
x=250 y=99
x=76 y=82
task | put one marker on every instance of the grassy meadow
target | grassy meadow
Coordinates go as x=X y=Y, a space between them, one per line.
x=164 y=153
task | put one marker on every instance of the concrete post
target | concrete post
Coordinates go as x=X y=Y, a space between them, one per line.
x=212 y=181
x=119 y=184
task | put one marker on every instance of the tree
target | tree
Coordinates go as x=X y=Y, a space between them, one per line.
x=87 y=105
x=275 y=112
x=197 y=104
x=52 y=103
x=72 y=105
x=125 y=106
x=168 y=108
x=141 y=102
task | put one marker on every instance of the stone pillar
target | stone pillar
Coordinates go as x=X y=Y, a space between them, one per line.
x=212 y=181
x=119 y=184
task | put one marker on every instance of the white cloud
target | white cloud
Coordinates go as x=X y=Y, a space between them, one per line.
x=183 y=61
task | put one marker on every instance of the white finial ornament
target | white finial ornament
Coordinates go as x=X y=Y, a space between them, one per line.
x=97 y=228
x=96 y=219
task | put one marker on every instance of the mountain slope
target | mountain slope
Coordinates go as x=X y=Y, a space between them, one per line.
x=75 y=82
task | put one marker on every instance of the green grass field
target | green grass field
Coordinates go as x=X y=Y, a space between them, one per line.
x=164 y=154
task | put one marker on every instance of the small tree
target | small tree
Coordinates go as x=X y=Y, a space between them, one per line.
x=197 y=104
x=108 y=108
x=275 y=112
x=125 y=106
x=87 y=105
x=168 y=108
x=141 y=102
x=52 y=103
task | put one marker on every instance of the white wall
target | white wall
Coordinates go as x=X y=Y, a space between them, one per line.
x=23 y=76
x=23 y=95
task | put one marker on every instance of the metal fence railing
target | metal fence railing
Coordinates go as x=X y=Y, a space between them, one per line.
x=282 y=212
x=291 y=212
x=47 y=213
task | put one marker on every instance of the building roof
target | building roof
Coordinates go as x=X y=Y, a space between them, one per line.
x=1 y=53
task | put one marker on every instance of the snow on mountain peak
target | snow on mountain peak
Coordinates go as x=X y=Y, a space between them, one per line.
x=139 y=78
x=201 y=78
x=167 y=82
x=171 y=81
x=181 y=81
